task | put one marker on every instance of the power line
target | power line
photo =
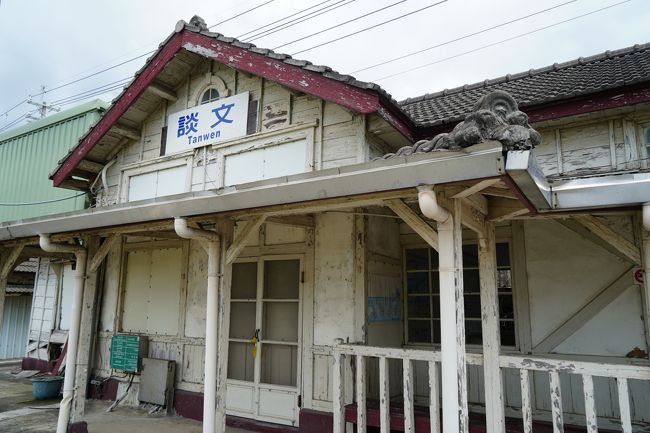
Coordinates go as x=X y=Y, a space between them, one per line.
x=17 y=120
x=42 y=202
x=120 y=64
x=98 y=88
x=299 y=20
x=282 y=19
x=339 y=25
x=371 y=27
x=241 y=13
x=14 y=107
x=461 y=38
x=501 y=41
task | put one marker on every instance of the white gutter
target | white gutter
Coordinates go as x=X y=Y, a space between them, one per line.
x=480 y=161
x=595 y=191
x=73 y=335
x=615 y=190
x=211 y=242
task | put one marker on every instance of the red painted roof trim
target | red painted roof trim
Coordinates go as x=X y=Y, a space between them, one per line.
x=313 y=83
x=615 y=98
x=128 y=98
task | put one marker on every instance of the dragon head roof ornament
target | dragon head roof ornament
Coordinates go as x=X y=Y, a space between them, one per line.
x=495 y=117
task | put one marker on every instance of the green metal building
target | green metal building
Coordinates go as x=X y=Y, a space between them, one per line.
x=28 y=155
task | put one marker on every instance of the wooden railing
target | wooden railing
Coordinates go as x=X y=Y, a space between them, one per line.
x=588 y=370
x=554 y=367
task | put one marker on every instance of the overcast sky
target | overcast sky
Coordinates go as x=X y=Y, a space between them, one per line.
x=54 y=42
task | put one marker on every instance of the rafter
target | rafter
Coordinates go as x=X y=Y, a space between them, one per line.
x=252 y=226
x=414 y=221
x=165 y=92
x=601 y=234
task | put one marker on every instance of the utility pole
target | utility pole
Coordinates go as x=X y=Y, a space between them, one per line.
x=43 y=107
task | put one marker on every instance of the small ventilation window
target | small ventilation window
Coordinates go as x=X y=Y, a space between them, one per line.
x=646 y=135
x=209 y=95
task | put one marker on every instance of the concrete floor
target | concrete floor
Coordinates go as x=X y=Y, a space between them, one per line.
x=19 y=412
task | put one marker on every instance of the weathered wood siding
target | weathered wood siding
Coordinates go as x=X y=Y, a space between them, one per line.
x=335 y=135
x=592 y=144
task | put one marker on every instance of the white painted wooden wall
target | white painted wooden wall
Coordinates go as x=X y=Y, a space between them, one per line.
x=594 y=143
x=328 y=136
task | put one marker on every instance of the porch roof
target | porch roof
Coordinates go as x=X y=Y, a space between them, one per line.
x=349 y=186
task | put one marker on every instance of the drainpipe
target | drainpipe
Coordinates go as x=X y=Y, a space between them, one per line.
x=211 y=243
x=429 y=204
x=447 y=273
x=73 y=335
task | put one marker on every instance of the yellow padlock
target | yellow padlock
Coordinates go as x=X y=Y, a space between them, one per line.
x=254 y=340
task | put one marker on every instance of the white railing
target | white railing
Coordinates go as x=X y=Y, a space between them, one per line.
x=588 y=370
x=554 y=367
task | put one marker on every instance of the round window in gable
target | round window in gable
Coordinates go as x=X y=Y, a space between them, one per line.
x=209 y=95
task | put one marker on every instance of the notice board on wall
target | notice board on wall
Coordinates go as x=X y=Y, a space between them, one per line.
x=127 y=351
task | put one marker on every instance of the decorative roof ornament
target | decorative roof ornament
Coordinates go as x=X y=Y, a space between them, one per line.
x=495 y=117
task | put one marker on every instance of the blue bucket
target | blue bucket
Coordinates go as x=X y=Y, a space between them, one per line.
x=45 y=387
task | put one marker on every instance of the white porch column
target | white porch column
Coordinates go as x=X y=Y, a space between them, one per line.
x=646 y=267
x=211 y=243
x=75 y=323
x=224 y=333
x=452 y=324
x=494 y=415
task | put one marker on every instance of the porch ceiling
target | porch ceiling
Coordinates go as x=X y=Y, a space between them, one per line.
x=350 y=186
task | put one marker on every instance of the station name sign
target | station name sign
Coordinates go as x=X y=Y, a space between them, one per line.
x=206 y=124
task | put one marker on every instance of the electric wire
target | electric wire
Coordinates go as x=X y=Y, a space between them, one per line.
x=69 y=83
x=500 y=42
x=460 y=38
x=371 y=27
x=241 y=13
x=101 y=89
x=282 y=19
x=43 y=202
x=339 y=24
x=14 y=107
x=302 y=19
x=119 y=83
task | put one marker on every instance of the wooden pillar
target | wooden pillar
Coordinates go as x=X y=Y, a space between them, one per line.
x=494 y=411
x=223 y=324
x=452 y=324
x=646 y=285
x=8 y=260
x=86 y=333
x=3 y=288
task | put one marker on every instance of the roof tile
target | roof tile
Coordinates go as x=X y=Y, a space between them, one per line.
x=581 y=76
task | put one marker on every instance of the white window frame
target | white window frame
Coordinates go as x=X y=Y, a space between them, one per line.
x=154 y=165
x=263 y=140
x=473 y=347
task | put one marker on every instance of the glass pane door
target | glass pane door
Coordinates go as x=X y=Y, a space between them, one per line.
x=264 y=373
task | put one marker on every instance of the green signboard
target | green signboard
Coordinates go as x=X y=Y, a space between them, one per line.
x=125 y=352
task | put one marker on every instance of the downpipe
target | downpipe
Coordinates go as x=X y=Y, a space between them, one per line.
x=81 y=255
x=211 y=242
x=430 y=208
x=645 y=219
x=429 y=204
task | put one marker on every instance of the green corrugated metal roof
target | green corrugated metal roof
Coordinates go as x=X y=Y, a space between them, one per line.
x=29 y=154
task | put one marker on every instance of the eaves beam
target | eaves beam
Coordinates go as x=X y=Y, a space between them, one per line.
x=601 y=234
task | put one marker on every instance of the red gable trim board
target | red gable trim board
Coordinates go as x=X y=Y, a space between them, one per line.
x=293 y=77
